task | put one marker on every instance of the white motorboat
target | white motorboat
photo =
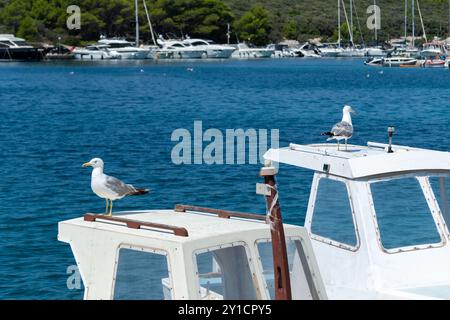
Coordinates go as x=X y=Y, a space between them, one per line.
x=378 y=217
x=374 y=62
x=378 y=52
x=309 y=50
x=213 y=50
x=125 y=49
x=330 y=50
x=245 y=52
x=352 y=52
x=432 y=50
x=174 y=49
x=373 y=212
x=399 y=62
x=96 y=52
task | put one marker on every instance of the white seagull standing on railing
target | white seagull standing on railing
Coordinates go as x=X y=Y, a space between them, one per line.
x=109 y=188
x=342 y=130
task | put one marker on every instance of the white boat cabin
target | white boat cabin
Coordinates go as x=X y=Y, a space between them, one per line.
x=186 y=254
x=378 y=221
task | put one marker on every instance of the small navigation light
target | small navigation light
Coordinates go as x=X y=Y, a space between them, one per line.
x=391 y=131
x=326 y=168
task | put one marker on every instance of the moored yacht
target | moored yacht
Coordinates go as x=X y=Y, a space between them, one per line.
x=245 y=52
x=213 y=50
x=374 y=62
x=332 y=50
x=17 y=49
x=125 y=49
x=432 y=49
x=399 y=61
x=378 y=52
x=174 y=49
x=352 y=52
x=309 y=50
x=96 y=52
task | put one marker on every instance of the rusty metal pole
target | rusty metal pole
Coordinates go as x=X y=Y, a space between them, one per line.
x=280 y=259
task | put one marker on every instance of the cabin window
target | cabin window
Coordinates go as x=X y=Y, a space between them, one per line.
x=300 y=274
x=224 y=274
x=142 y=275
x=333 y=216
x=403 y=215
x=441 y=189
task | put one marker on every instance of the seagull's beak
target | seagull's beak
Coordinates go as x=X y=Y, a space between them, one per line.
x=87 y=164
x=353 y=111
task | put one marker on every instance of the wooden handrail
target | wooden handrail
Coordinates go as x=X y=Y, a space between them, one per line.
x=226 y=214
x=135 y=224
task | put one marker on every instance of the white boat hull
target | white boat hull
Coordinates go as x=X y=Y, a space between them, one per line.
x=94 y=55
x=220 y=53
x=179 y=54
x=399 y=63
x=133 y=55
x=253 y=53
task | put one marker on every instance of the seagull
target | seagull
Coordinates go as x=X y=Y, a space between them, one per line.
x=109 y=188
x=343 y=129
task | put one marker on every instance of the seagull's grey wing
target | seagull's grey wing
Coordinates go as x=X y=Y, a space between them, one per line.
x=119 y=187
x=342 y=129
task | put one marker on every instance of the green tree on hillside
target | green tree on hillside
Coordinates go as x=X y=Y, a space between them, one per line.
x=28 y=29
x=345 y=35
x=290 y=30
x=254 y=26
x=196 y=18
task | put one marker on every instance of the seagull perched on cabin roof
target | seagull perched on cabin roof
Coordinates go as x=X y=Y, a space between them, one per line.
x=342 y=130
x=109 y=188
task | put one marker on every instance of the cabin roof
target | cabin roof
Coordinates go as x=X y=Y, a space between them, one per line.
x=357 y=162
x=198 y=225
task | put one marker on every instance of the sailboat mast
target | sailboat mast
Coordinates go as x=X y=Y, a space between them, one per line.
x=413 y=25
x=421 y=21
x=348 y=23
x=339 y=22
x=406 y=19
x=351 y=18
x=149 y=23
x=137 y=23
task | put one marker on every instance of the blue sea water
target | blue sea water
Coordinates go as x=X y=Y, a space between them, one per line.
x=55 y=116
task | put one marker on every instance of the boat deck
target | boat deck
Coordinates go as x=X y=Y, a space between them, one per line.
x=199 y=225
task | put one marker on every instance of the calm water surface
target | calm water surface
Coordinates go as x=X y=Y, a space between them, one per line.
x=54 y=117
